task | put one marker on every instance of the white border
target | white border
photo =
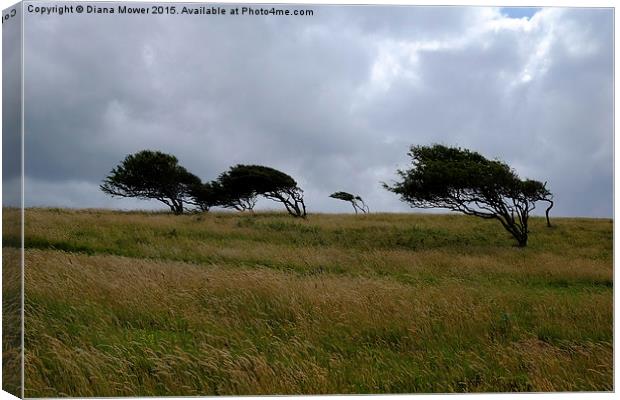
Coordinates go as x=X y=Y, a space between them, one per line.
x=503 y=3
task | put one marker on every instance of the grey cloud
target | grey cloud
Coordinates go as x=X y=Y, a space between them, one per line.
x=335 y=99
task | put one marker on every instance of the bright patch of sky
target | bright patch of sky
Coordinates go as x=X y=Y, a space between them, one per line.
x=519 y=12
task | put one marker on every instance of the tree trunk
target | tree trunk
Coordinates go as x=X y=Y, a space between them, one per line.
x=177 y=207
x=547 y=213
x=519 y=232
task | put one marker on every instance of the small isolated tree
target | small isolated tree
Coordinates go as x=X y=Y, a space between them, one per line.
x=356 y=201
x=241 y=185
x=465 y=181
x=152 y=175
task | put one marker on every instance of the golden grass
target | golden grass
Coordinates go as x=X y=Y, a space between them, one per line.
x=152 y=304
x=11 y=322
x=11 y=308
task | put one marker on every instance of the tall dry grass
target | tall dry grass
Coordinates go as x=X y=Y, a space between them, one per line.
x=11 y=306
x=153 y=304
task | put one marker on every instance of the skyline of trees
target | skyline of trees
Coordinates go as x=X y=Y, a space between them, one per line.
x=442 y=177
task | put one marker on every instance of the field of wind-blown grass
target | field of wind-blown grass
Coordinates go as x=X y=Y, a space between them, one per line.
x=129 y=303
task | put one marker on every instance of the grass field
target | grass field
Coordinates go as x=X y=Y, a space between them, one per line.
x=130 y=303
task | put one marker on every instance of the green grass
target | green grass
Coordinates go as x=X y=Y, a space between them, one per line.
x=133 y=303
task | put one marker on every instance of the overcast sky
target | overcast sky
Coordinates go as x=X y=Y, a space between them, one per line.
x=335 y=99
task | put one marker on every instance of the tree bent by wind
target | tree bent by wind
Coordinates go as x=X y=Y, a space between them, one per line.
x=464 y=181
x=240 y=187
x=152 y=175
x=356 y=201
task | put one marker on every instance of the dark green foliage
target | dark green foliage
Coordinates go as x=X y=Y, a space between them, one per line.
x=356 y=201
x=207 y=195
x=152 y=175
x=465 y=181
x=342 y=196
x=240 y=186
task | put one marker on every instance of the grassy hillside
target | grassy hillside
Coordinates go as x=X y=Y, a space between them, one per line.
x=154 y=304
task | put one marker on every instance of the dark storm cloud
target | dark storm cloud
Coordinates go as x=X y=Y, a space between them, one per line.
x=334 y=99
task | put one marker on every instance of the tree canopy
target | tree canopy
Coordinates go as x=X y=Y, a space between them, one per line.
x=241 y=185
x=356 y=201
x=206 y=195
x=465 y=181
x=152 y=175
x=236 y=188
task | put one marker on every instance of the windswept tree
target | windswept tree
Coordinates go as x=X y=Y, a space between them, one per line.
x=152 y=175
x=465 y=181
x=282 y=188
x=241 y=185
x=235 y=188
x=356 y=201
